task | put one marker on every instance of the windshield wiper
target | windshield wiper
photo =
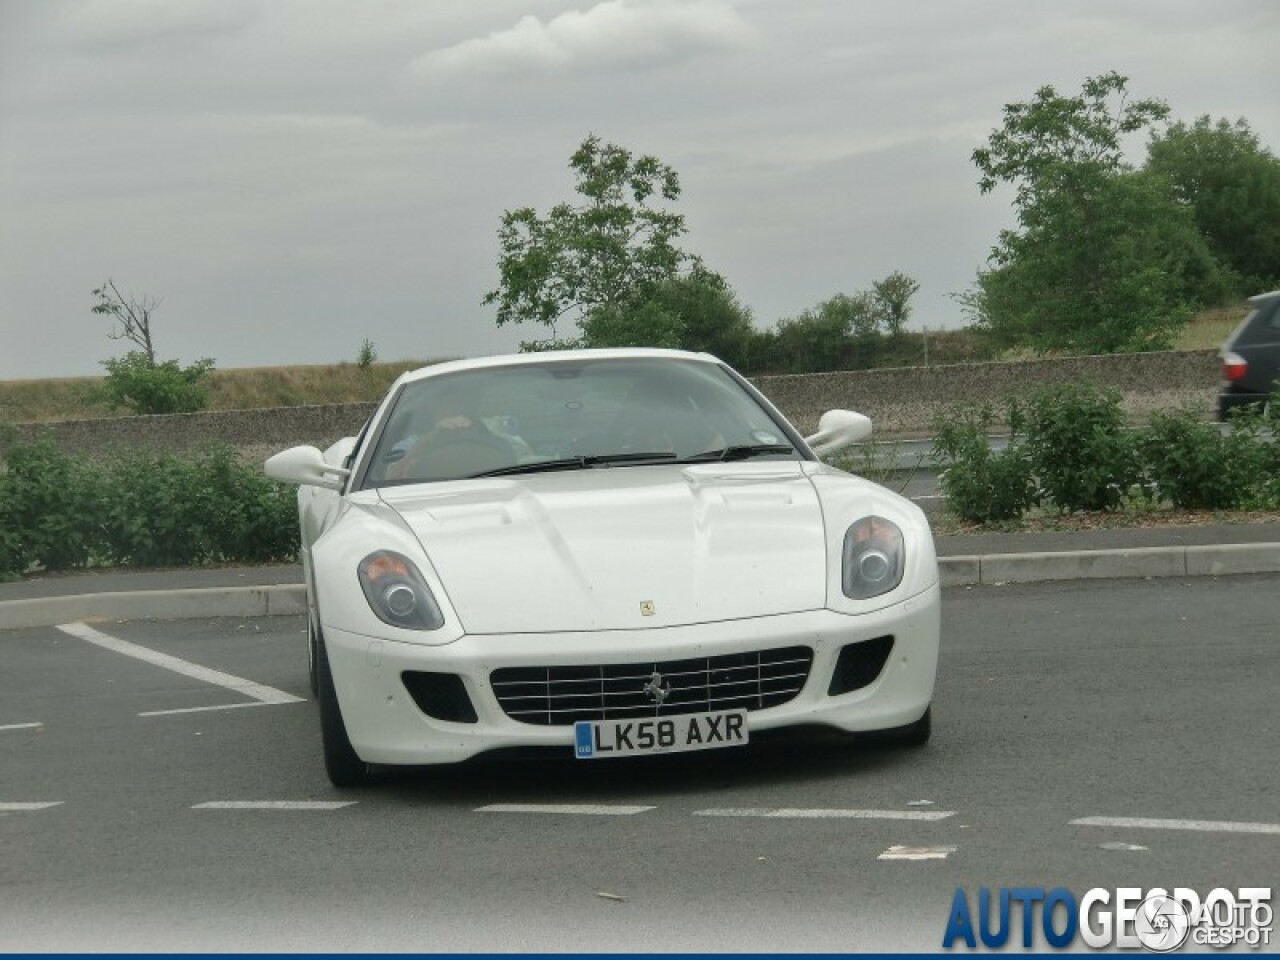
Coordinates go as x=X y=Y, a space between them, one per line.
x=743 y=451
x=584 y=462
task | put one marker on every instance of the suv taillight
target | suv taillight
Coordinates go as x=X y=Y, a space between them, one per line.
x=1233 y=366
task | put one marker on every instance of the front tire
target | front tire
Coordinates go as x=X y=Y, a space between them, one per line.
x=341 y=763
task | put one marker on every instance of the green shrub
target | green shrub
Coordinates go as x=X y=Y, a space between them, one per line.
x=1252 y=456
x=48 y=503
x=251 y=517
x=980 y=484
x=133 y=381
x=1082 y=455
x=139 y=507
x=1186 y=460
x=1194 y=465
x=156 y=510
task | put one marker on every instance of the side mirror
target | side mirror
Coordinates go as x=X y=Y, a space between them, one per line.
x=838 y=429
x=305 y=466
x=338 y=453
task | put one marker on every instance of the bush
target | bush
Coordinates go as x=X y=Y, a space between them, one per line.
x=1082 y=455
x=144 y=387
x=1187 y=464
x=980 y=484
x=155 y=511
x=1193 y=465
x=1251 y=454
x=47 y=504
x=251 y=517
x=141 y=508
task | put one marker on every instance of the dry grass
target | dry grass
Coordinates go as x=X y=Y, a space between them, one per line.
x=1209 y=328
x=252 y=387
x=240 y=389
x=1205 y=331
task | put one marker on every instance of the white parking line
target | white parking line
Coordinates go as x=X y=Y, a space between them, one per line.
x=916 y=853
x=263 y=694
x=274 y=805
x=224 y=706
x=23 y=807
x=1205 y=826
x=588 y=809
x=21 y=726
x=790 y=813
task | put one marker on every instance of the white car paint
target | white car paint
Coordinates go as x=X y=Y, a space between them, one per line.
x=646 y=563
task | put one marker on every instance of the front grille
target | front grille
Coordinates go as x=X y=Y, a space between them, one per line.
x=553 y=696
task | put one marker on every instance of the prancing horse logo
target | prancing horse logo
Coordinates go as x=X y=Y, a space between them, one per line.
x=657 y=690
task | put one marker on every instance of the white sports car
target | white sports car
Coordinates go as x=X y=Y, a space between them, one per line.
x=609 y=552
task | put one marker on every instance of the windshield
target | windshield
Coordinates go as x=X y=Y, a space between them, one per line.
x=578 y=414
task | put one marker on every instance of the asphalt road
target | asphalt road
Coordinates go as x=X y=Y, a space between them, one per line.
x=1055 y=702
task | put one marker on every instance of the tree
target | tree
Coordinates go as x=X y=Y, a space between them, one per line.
x=1232 y=185
x=137 y=380
x=893 y=300
x=1104 y=259
x=1122 y=281
x=607 y=253
x=820 y=337
x=131 y=317
x=697 y=311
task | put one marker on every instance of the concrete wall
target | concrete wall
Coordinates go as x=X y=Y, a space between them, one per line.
x=900 y=402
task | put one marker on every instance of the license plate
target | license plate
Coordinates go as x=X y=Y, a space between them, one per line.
x=596 y=740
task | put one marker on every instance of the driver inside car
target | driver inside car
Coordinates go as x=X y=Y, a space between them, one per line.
x=449 y=441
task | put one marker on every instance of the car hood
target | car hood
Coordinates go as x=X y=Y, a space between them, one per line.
x=622 y=548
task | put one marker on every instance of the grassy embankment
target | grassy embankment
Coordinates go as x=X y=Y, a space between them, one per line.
x=253 y=387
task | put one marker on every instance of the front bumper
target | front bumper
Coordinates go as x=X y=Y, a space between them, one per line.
x=386 y=726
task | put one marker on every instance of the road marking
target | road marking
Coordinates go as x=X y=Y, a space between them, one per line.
x=273 y=805
x=257 y=691
x=21 y=726
x=587 y=809
x=22 y=807
x=916 y=853
x=1205 y=826
x=790 y=813
x=225 y=706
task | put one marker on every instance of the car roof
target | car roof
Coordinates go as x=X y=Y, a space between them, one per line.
x=552 y=356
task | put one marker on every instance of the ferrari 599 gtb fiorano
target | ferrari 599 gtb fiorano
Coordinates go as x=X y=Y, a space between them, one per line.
x=605 y=552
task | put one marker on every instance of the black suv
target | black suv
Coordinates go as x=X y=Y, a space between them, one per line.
x=1251 y=356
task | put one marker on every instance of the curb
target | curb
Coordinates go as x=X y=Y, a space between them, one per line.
x=988 y=569
x=189 y=604
x=1203 y=561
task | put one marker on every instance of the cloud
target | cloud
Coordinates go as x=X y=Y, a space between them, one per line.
x=124 y=24
x=626 y=34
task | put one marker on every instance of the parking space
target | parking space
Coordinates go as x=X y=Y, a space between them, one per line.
x=1072 y=747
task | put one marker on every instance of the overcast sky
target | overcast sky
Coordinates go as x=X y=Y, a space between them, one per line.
x=294 y=176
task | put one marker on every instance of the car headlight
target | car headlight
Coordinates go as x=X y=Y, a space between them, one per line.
x=397 y=593
x=874 y=558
